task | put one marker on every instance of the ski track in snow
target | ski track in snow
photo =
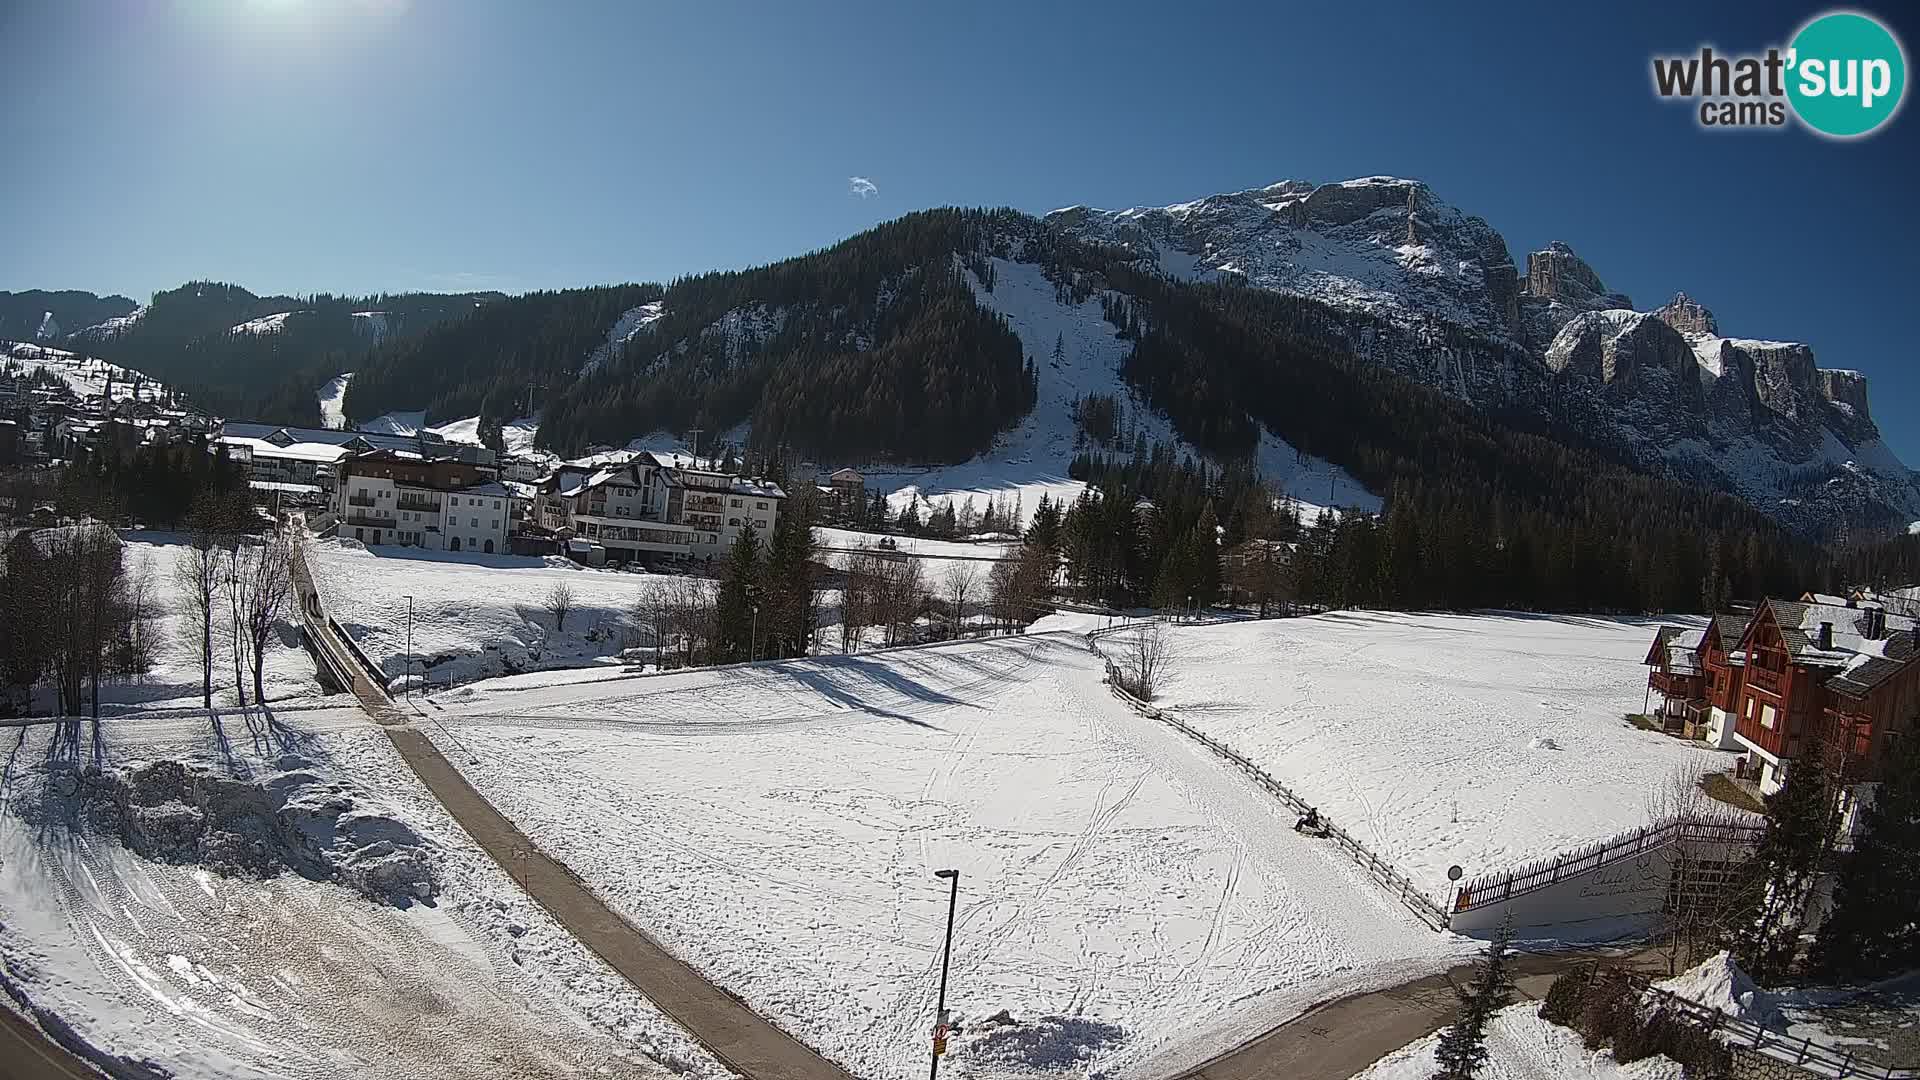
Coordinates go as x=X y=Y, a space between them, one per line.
x=1109 y=867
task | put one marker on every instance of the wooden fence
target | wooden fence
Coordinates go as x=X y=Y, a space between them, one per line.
x=1382 y=871
x=1491 y=889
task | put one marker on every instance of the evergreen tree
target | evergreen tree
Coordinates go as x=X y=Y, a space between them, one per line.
x=1463 y=1049
x=735 y=617
x=786 y=588
x=1779 y=877
x=1205 y=558
x=1874 y=929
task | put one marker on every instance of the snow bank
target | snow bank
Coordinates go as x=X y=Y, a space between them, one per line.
x=1049 y=1044
x=1524 y=1047
x=1719 y=983
x=290 y=819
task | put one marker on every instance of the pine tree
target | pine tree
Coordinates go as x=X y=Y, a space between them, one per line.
x=1777 y=880
x=1874 y=928
x=739 y=596
x=1204 y=555
x=1463 y=1049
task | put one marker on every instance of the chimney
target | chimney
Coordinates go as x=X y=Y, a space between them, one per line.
x=1826 y=636
x=1876 y=623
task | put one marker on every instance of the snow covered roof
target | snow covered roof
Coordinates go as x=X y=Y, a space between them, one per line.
x=1868 y=645
x=300 y=451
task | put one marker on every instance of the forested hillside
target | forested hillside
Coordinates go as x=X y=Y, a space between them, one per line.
x=23 y=315
x=494 y=362
x=874 y=348
x=238 y=354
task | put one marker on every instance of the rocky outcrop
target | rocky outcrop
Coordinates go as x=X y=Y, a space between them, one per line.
x=1845 y=388
x=1621 y=348
x=1783 y=377
x=1686 y=315
x=1556 y=273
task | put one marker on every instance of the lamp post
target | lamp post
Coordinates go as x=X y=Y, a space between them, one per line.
x=409 y=682
x=946 y=959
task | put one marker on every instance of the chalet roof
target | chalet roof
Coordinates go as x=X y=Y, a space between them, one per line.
x=1862 y=662
x=1732 y=628
x=1679 y=647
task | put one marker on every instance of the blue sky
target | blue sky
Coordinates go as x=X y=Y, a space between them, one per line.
x=362 y=145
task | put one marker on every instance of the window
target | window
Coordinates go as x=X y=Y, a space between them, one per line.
x=496 y=523
x=1767 y=715
x=760 y=505
x=496 y=504
x=473 y=523
x=736 y=504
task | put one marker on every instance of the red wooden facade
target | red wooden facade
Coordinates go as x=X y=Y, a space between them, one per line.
x=1804 y=691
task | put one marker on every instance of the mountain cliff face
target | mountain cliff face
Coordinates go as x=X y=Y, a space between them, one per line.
x=1664 y=387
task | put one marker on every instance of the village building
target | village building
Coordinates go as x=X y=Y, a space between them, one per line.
x=654 y=508
x=400 y=497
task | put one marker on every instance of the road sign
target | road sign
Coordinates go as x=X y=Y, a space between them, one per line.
x=1454 y=873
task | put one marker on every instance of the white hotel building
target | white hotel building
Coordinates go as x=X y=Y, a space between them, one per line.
x=651 y=508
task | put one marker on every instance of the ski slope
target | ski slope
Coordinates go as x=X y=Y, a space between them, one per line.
x=85 y=375
x=332 y=396
x=1484 y=740
x=1031 y=460
x=202 y=974
x=778 y=827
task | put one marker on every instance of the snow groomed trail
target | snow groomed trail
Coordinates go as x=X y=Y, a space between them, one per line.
x=777 y=827
x=717 y=1020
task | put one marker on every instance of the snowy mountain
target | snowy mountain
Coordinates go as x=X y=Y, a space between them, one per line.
x=1664 y=387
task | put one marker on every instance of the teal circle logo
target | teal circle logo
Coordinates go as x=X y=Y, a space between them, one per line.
x=1846 y=75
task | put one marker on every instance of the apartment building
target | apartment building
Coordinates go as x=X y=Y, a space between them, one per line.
x=653 y=508
x=401 y=497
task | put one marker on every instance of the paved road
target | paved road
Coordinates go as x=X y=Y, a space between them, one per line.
x=739 y=1037
x=26 y=1053
x=1338 y=1039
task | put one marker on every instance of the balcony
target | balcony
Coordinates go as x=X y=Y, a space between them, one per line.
x=1674 y=685
x=431 y=506
x=705 y=503
x=371 y=520
x=361 y=500
x=1765 y=679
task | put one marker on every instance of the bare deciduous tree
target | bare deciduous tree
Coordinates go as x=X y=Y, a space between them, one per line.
x=559 y=602
x=269 y=590
x=859 y=599
x=196 y=573
x=1704 y=892
x=962 y=577
x=1148 y=653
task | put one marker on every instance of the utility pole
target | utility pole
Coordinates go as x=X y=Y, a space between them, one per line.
x=946 y=959
x=694 y=434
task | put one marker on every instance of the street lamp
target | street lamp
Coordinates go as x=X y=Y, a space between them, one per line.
x=409 y=683
x=946 y=959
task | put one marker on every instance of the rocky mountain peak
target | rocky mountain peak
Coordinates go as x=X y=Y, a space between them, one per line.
x=1688 y=316
x=1556 y=273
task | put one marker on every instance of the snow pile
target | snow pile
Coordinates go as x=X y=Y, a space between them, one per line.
x=289 y=819
x=1718 y=983
x=1049 y=1044
x=1522 y=1046
x=517 y=435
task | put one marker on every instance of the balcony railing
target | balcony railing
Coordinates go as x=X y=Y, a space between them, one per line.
x=431 y=506
x=373 y=520
x=1765 y=678
x=1675 y=685
x=361 y=500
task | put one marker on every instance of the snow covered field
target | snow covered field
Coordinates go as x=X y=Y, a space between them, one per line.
x=180 y=970
x=778 y=827
x=1524 y=1047
x=332 y=397
x=474 y=616
x=1484 y=740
